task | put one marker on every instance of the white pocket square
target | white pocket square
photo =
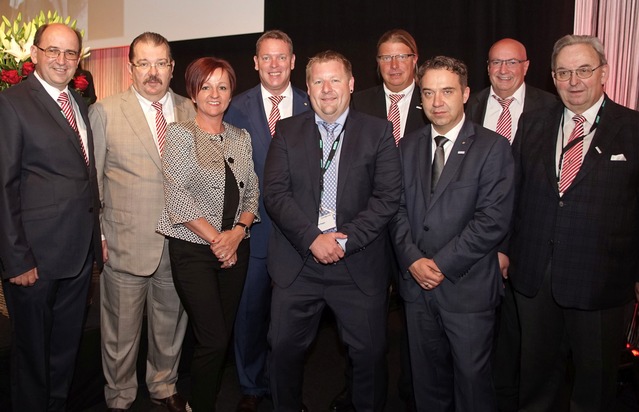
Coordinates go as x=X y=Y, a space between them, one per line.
x=618 y=158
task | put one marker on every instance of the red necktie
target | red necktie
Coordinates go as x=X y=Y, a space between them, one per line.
x=67 y=110
x=573 y=158
x=275 y=113
x=505 y=121
x=393 y=116
x=160 y=125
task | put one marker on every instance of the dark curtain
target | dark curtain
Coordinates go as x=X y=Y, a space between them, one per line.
x=464 y=29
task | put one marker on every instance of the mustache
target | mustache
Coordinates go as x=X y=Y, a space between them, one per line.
x=152 y=78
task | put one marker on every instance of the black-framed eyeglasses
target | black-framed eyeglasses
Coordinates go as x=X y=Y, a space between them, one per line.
x=386 y=58
x=564 y=75
x=53 y=53
x=508 y=63
x=159 y=66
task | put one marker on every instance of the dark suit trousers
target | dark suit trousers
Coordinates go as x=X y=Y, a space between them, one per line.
x=550 y=334
x=507 y=355
x=210 y=295
x=251 y=329
x=47 y=322
x=361 y=322
x=451 y=357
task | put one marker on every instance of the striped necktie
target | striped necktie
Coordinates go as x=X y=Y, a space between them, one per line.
x=160 y=126
x=573 y=158
x=393 y=116
x=275 y=113
x=505 y=121
x=67 y=110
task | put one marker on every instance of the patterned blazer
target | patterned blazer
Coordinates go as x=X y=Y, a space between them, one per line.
x=194 y=177
x=590 y=233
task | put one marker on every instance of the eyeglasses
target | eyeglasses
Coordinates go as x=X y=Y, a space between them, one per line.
x=582 y=72
x=53 y=53
x=159 y=66
x=508 y=63
x=386 y=58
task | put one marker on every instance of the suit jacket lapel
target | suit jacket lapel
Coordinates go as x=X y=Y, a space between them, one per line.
x=55 y=111
x=424 y=160
x=137 y=120
x=549 y=149
x=300 y=103
x=257 y=117
x=462 y=144
x=415 y=116
x=351 y=141
x=604 y=135
x=313 y=153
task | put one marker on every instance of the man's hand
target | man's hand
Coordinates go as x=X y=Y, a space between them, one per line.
x=28 y=278
x=426 y=273
x=504 y=263
x=105 y=251
x=325 y=248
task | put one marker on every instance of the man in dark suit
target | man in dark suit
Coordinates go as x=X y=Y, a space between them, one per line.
x=398 y=100
x=507 y=66
x=255 y=111
x=455 y=210
x=49 y=230
x=331 y=185
x=397 y=57
x=573 y=250
x=498 y=108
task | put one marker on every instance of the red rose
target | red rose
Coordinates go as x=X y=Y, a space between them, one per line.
x=80 y=82
x=11 y=76
x=27 y=68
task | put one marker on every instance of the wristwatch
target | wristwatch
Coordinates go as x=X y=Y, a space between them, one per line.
x=247 y=230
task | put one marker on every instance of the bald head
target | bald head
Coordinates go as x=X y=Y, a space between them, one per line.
x=507 y=66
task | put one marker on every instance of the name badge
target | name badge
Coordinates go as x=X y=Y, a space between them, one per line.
x=327 y=220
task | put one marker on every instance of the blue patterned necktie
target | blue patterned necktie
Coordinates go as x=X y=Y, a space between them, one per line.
x=329 y=196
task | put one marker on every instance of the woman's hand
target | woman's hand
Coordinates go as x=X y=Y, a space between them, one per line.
x=230 y=262
x=225 y=244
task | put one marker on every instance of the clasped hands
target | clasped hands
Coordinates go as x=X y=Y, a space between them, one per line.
x=325 y=248
x=426 y=273
x=224 y=247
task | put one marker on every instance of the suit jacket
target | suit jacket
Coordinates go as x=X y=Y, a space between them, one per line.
x=373 y=102
x=130 y=180
x=535 y=99
x=368 y=191
x=247 y=112
x=463 y=222
x=591 y=232
x=49 y=201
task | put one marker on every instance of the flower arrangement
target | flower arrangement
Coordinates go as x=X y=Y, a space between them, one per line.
x=16 y=40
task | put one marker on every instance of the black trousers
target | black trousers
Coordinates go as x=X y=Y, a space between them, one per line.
x=210 y=295
x=47 y=322
x=361 y=322
x=550 y=336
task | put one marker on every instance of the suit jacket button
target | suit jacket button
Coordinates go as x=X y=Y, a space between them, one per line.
x=561 y=203
x=426 y=228
x=90 y=210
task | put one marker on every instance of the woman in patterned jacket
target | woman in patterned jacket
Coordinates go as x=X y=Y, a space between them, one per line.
x=211 y=199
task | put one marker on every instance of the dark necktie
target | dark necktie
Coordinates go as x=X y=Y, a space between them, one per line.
x=438 y=161
x=67 y=110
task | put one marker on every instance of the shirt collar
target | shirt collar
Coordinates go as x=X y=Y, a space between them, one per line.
x=589 y=114
x=54 y=92
x=452 y=133
x=406 y=92
x=519 y=94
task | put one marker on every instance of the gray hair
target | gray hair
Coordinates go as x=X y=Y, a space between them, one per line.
x=572 y=39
